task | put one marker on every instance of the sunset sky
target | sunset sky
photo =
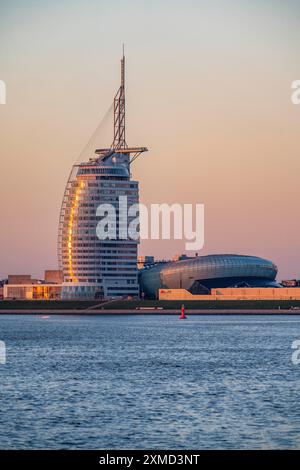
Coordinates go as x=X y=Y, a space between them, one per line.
x=208 y=88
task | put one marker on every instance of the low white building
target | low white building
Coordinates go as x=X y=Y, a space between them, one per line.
x=32 y=291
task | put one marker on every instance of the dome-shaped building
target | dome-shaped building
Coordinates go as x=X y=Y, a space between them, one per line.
x=202 y=273
x=95 y=268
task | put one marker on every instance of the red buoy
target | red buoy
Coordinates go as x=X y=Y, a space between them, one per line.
x=182 y=316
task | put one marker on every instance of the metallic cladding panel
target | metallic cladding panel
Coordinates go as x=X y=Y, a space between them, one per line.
x=182 y=274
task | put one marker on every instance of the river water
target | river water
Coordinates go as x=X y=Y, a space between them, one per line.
x=149 y=382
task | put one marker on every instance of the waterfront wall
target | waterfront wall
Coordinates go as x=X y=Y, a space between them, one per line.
x=250 y=293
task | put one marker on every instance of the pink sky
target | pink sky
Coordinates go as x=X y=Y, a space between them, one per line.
x=208 y=92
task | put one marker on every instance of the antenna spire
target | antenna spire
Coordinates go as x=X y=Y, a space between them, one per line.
x=119 y=141
x=119 y=145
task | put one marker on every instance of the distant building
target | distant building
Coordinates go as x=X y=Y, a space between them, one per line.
x=239 y=293
x=21 y=279
x=291 y=283
x=180 y=257
x=144 y=261
x=24 y=287
x=32 y=292
x=54 y=276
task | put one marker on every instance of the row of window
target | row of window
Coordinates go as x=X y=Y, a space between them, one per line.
x=87 y=274
x=100 y=281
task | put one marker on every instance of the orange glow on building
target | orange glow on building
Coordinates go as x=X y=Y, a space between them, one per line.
x=73 y=215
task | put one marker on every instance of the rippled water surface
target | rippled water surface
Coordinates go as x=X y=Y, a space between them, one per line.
x=149 y=382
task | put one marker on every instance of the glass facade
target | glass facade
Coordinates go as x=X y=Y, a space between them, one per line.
x=92 y=267
x=210 y=271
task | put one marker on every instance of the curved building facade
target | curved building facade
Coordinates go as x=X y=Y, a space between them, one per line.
x=98 y=266
x=95 y=268
x=200 y=274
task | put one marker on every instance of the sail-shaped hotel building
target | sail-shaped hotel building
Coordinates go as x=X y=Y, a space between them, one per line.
x=93 y=267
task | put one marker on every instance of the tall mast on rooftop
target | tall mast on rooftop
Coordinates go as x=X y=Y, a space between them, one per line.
x=95 y=266
x=119 y=145
x=119 y=141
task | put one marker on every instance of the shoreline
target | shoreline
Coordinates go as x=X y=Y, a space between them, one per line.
x=147 y=312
